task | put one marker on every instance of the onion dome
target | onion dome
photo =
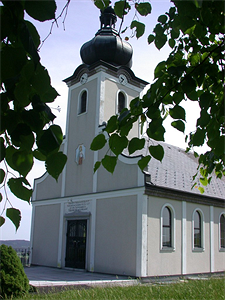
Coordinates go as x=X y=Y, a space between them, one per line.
x=107 y=44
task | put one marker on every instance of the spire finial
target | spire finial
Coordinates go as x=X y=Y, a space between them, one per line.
x=108 y=18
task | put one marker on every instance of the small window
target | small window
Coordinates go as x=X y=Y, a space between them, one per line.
x=121 y=102
x=222 y=231
x=167 y=228
x=83 y=103
x=197 y=230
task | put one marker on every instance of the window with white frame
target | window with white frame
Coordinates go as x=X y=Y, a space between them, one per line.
x=82 y=105
x=222 y=231
x=121 y=101
x=198 y=229
x=167 y=227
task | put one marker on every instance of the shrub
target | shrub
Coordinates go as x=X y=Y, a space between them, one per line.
x=13 y=280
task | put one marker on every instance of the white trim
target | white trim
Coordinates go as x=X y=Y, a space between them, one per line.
x=211 y=238
x=92 y=237
x=129 y=160
x=173 y=228
x=60 y=241
x=202 y=248
x=100 y=195
x=79 y=102
x=100 y=100
x=219 y=234
x=117 y=98
x=141 y=247
x=32 y=235
x=184 y=239
x=65 y=150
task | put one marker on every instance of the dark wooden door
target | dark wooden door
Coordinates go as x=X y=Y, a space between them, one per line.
x=76 y=244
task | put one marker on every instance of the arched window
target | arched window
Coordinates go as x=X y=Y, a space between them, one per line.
x=121 y=102
x=82 y=103
x=197 y=230
x=166 y=228
x=222 y=231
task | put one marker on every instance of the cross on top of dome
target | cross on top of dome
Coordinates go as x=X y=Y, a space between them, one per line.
x=108 y=17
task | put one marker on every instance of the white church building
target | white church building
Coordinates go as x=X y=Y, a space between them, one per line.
x=134 y=223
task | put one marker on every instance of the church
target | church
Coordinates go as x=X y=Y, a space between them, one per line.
x=133 y=223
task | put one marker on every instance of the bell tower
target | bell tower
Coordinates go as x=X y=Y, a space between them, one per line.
x=99 y=88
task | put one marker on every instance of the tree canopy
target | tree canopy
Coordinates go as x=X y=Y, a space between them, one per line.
x=193 y=71
x=27 y=129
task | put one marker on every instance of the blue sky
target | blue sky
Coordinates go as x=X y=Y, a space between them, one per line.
x=60 y=54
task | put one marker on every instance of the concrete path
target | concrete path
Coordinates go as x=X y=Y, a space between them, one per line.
x=49 y=277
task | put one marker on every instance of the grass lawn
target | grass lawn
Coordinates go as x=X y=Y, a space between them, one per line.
x=212 y=289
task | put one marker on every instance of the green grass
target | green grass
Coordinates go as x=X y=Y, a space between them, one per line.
x=210 y=289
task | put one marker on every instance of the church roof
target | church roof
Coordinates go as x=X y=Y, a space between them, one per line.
x=176 y=172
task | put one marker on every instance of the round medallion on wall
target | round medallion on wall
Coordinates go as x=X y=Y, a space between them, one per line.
x=123 y=79
x=83 y=78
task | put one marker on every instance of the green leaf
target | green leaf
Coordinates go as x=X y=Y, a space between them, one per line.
x=50 y=140
x=206 y=99
x=157 y=152
x=140 y=28
x=160 y=69
x=151 y=38
x=22 y=93
x=97 y=166
x=101 y=4
x=117 y=143
x=156 y=130
x=38 y=155
x=203 y=181
x=204 y=119
x=98 y=142
x=109 y=163
x=19 y=160
x=201 y=189
x=178 y=97
x=2 y=221
x=160 y=41
x=188 y=85
x=177 y=112
x=2 y=149
x=27 y=40
x=41 y=10
x=171 y=43
x=1 y=197
x=41 y=80
x=143 y=162
x=17 y=187
x=14 y=215
x=143 y=8
x=12 y=61
x=136 y=144
x=2 y=175
x=199 y=137
x=33 y=34
x=55 y=163
x=179 y=125
x=121 y=8
x=111 y=125
x=162 y=19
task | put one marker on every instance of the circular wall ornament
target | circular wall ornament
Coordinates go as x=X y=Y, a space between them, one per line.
x=83 y=78
x=123 y=79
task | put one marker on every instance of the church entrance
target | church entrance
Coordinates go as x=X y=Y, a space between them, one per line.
x=76 y=244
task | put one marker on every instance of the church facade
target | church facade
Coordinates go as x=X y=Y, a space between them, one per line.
x=130 y=223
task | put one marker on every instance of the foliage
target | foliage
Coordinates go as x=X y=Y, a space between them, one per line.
x=194 y=71
x=27 y=132
x=13 y=280
x=188 y=289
